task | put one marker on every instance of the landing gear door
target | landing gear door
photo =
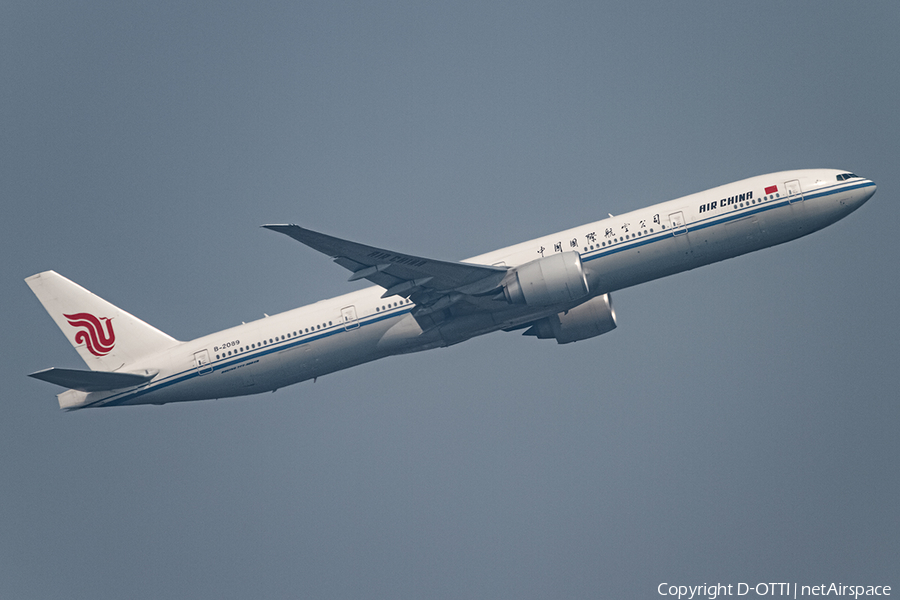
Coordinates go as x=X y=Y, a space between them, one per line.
x=795 y=194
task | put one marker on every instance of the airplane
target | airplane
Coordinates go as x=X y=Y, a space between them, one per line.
x=557 y=286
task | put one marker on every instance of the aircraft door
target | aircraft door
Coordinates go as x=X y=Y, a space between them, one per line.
x=348 y=316
x=201 y=362
x=795 y=194
x=676 y=220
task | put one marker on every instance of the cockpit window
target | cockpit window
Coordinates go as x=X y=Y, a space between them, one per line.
x=845 y=176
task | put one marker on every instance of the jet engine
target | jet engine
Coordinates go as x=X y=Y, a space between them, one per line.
x=593 y=318
x=555 y=279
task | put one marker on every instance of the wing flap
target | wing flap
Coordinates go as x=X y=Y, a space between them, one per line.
x=91 y=381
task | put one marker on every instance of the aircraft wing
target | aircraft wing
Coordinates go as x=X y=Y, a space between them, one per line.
x=427 y=281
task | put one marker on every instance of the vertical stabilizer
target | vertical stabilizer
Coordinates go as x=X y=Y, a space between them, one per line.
x=106 y=337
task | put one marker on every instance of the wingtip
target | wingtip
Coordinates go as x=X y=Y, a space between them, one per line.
x=277 y=226
x=286 y=228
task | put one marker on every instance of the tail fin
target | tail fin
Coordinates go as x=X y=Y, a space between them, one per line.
x=105 y=337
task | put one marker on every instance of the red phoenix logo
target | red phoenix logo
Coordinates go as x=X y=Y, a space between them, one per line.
x=91 y=333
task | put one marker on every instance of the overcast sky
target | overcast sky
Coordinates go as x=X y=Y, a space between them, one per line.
x=741 y=424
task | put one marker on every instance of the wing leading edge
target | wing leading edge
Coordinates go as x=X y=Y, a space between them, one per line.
x=429 y=283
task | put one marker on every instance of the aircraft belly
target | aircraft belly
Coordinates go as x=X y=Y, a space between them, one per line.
x=638 y=265
x=346 y=349
x=677 y=253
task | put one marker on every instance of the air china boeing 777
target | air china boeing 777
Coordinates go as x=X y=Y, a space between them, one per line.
x=554 y=287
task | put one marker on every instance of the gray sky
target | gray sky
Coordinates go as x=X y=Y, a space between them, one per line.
x=739 y=426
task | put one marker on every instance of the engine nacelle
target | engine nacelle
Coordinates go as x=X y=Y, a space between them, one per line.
x=547 y=281
x=595 y=317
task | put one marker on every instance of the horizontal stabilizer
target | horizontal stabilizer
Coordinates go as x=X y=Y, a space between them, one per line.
x=92 y=381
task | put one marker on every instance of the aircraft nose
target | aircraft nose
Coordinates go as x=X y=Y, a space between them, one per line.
x=870 y=189
x=860 y=195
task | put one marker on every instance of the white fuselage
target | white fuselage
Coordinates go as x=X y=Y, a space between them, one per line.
x=616 y=253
